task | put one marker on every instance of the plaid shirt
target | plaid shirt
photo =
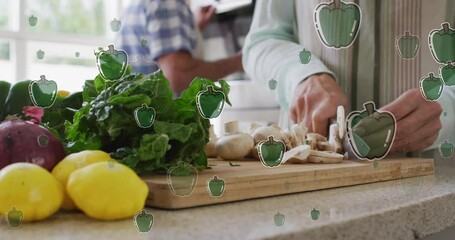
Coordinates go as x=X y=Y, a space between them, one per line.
x=152 y=28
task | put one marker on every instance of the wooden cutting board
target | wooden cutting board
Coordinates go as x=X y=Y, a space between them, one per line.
x=252 y=180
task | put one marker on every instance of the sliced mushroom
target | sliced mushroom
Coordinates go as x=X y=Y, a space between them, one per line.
x=324 y=146
x=299 y=134
x=314 y=138
x=286 y=136
x=325 y=157
x=298 y=154
x=317 y=136
x=341 y=120
x=334 y=140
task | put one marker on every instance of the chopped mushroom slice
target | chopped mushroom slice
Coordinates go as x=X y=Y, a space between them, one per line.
x=286 y=136
x=334 y=140
x=341 y=120
x=297 y=155
x=325 y=157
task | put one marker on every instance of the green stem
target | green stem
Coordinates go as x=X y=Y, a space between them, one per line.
x=43 y=78
x=445 y=26
x=271 y=139
x=431 y=75
x=406 y=34
x=337 y=3
x=111 y=49
x=210 y=89
x=369 y=107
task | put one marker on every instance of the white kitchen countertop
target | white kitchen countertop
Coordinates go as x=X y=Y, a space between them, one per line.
x=397 y=209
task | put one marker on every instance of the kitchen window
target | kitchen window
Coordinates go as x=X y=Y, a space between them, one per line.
x=62 y=43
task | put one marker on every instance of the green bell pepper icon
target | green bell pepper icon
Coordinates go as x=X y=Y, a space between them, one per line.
x=144 y=221
x=431 y=87
x=315 y=213
x=112 y=63
x=216 y=186
x=210 y=102
x=182 y=179
x=14 y=218
x=337 y=23
x=370 y=132
x=40 y=54
x=408 y=45
x=43 y=140
x=279 y=219
x=446 y=149
x=43 y=92
x=273 y=84
x=447 y=73
x=115 y=25
x=144 y=116
x=304 y=56
x=442 y=44
x=271 y=152
x=375 y=164
x=32 y=20
x=412 y=186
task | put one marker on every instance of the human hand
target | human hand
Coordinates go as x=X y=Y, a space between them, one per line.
x=418 y=121
x=238 y=61
x=204 y=15
x=316 y=101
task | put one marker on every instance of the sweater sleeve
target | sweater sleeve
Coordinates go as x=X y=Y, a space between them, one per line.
x=447 y=132
x=271 y=50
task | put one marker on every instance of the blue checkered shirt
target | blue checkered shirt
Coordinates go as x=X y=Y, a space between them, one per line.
x=152 y=28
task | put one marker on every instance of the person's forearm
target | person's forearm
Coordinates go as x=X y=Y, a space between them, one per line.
x=181 y=69
x=217 y=69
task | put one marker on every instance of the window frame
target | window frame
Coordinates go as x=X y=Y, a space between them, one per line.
x=18 y=35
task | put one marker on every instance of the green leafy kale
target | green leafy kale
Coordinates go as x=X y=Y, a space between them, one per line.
x=106 y=121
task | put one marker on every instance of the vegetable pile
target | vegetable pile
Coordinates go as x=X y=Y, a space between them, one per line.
x=106 y=122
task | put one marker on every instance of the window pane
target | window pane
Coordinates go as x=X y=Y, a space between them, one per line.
x=67 y=64
x=4 y=17
x=6 y=65
x=82 y=17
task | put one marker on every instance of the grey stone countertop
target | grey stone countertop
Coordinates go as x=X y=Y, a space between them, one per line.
x=400 y=209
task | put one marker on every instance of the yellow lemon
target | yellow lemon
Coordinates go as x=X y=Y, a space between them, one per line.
x=63 y=93
x=29 y=189
x=107 y=191
x=73 y=162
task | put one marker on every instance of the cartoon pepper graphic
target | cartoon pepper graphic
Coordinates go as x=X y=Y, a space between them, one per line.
x=210 y=102
x=43 y=92
x=112 y=63
x=337 y=23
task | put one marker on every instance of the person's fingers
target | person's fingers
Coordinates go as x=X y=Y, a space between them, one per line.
x=421 y=145
x=418 y=140
x=294 y=112
x=405 y=104
x=320 y=122
x=205 y=8
x=427 y=112
x=211 y=11
x=297 y=112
